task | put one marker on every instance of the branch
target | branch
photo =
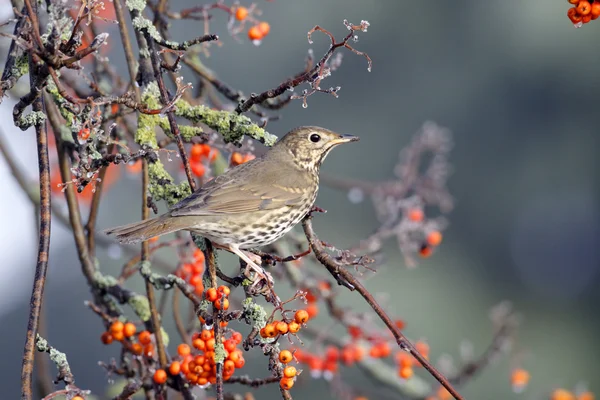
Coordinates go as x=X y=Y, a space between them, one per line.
x=338 y=270
x=313 y=76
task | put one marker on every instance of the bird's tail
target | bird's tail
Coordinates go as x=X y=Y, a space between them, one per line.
x=147 y=229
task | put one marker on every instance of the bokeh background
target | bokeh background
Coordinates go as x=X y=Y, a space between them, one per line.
x=517 y=85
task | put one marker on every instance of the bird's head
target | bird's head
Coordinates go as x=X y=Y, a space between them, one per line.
x=309 y=145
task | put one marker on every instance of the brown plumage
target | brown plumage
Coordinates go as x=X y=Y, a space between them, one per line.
x=252 y=204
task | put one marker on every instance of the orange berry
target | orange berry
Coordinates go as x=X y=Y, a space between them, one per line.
x=573 y=1
x=282 y=327
x=211 y=295
x=286 y=383
x=175 y=368
x=129 y=329
x=355 y=331
x=301 y=316
x=405 y=372
x=145 y=337
x=235 y=355
x=562 y=394
x=586 y=18
x=237 y=337
x=434 y=238
x=160 y=376
x=573 y=15
x=199 y=150
x=285 y=356
x=77 y=398
x=199 y=344
x=148 y=350
x=425 y=251
x=241 y=13
x=264 y=28
x=198 y=268
x=384 y=349
x=84 y=134
x=183 y=350
x=403 y=359
x=519 y=379
x=239 y=363
x=375 y=351
x=106 y=338
x=229 y=345
x=199 y=256
x=137 y=349
x=443 y=394
x=199 y=288
x=222 y=304
x=255 y=33
x=293 y=327
x=116 y=326
x=584 y=7
x=270 y=331
x=289 y=372
x=400 y=324
x=359 y=353
x=595 y=10
x=198 y=169
x=228 y=367
x=347 y=355
x=312 y=310
x=223 y=290
x=236 y=158
x=332 y=353
x=416 y=214
x=210 y=344
x=118 y=336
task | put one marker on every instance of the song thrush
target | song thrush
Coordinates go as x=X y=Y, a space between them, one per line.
x=252 y=204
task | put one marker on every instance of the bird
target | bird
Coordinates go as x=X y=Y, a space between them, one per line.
x=252 y=204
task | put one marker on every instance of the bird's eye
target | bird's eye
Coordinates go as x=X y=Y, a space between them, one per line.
x=315 y=138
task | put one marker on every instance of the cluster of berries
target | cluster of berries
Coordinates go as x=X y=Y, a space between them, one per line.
x=124 y=333
x=256 y=32
x=192 y=272
x=289 y=372
x=327 y=365
x=219 y=297
x=276 y=328
x=432 y=238
x=198 y=365
x=583 y=11
x=200 y=155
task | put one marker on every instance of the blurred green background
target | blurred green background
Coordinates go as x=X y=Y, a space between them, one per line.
x=517 y=85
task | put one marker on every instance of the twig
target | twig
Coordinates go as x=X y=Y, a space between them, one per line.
x=212 y=270
x=44 y=233
x=129 y=390
x=154 y=317
x=164 y=98
x=177 y=317
x=338 y=270
x=246 y=380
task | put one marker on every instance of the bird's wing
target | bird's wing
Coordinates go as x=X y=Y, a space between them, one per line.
x=228 y=194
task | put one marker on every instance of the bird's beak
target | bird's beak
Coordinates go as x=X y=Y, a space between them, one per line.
x=345 y=139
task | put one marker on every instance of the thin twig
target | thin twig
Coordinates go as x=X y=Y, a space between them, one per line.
x=41 y=268
x=154 y=317
x=212 y=270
